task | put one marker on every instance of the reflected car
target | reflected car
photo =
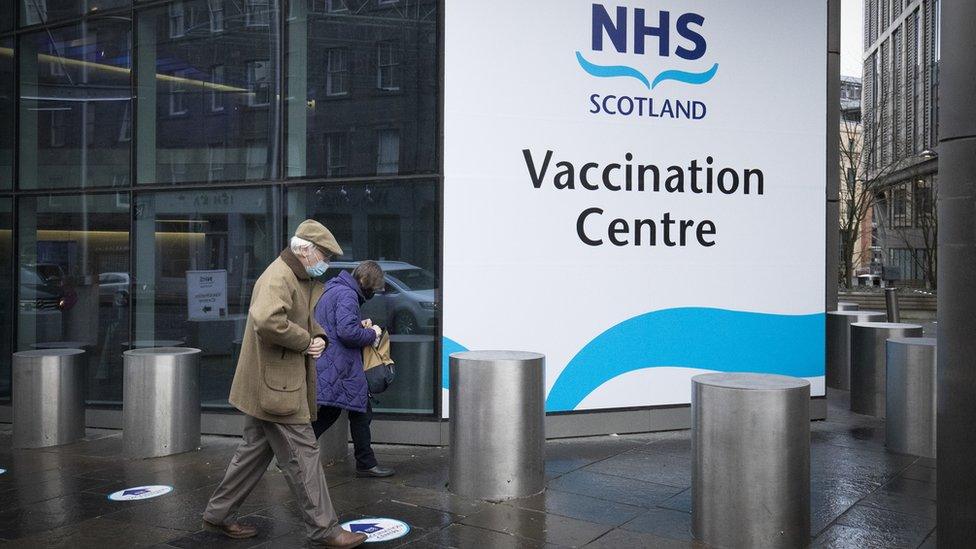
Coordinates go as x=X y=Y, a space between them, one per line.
x=113 y=288
x=408 y=304
x=43 y=288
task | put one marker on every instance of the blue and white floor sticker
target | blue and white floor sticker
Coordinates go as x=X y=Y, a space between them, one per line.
x=140 y=492
x=2 y=471
x=378 y=529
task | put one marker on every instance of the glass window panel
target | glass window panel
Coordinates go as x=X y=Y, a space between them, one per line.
x=33 y=12
x=67 y=245
x=6 y=295
x=396 y=224
x=207 y=81
x=75 y=93
x=6 y=16
x=354 y=69
x=6 y=113
x=198 y=253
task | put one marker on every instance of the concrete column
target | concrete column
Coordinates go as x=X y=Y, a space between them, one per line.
x=957 y=285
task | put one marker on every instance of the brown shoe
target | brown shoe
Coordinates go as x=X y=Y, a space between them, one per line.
x=342 y=539
x=234 y=530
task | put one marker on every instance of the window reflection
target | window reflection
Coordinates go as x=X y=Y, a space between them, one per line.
x=366 y=71
x=198 y=254
x=33 y=12
x=6 y=112
x=396 y=224
x=6 y=295
x=75 y=94
x=207 y=90
x=73 y=263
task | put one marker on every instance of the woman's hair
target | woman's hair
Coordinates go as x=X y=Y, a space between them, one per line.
x=369 y=274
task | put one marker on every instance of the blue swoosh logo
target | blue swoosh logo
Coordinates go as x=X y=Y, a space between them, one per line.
x=611 y=71
x=708 y=339
x=686 y=77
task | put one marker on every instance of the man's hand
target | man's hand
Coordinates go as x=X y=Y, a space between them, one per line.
x=368 y=323
x=315 y=348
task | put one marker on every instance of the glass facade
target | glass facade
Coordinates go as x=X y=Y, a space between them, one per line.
x=156 y=155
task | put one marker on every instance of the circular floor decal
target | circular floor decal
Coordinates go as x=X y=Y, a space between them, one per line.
x=140 y=492
x=2 y=471
x=378 y=529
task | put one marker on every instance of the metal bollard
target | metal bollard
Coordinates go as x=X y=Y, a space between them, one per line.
x=497 y=408
x=750 y=472
x=910 y=402
x=847 y=306
x=161 y=401
x=891 y=304
x=868 y=363
x=839 y=344
x=48 y=397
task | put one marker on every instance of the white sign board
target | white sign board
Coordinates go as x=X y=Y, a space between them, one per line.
x=206 y=294
x=636 y=190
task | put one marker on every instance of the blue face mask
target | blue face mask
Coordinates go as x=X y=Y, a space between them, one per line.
x=318 y=269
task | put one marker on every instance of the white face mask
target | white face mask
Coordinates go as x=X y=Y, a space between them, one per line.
x=318 y=269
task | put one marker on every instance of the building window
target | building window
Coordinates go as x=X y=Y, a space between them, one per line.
x=177 y=20
x=257 y=13
x=923 y=203
x=387 y=66
x=335 y=154
x=125 y=128
x=257 y=160
x=59 y=127
x=258 y=83
x=215 y=162
x=216 y=8
x=336 y=6
x=35 y=12
x=216 y=95
x=387 y=152
x=337 y=72
x=900 y=207
x=177 y=95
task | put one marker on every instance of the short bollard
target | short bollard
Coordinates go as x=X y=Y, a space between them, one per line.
x=497 y=409
x=868 y=363
x=847 y=306
x=911 y=396
x=161 y=402
x=839 y=344
x=48 y=397
x=750 y=473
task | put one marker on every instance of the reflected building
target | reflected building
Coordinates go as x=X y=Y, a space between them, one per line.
x=146 y=146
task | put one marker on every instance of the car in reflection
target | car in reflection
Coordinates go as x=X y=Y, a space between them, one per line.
x=113 y=288
x=44 y=287
x=409 y=302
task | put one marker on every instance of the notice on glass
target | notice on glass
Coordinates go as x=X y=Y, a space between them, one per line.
x=206 y=294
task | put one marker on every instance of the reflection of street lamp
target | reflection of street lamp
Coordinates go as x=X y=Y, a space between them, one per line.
x=928 y=154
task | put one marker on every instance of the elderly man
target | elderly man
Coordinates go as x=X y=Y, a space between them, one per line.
x=274 y=386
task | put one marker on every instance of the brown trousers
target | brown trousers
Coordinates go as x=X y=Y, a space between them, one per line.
x=297 y=453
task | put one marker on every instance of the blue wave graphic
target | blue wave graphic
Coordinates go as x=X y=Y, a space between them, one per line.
x=611 y=71
x=448 y=346
x=693 y=337
x=686 y=77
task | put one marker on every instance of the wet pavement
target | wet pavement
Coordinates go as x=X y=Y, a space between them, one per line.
x=603 y=492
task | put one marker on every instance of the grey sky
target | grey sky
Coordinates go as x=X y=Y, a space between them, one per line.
x=851 y=37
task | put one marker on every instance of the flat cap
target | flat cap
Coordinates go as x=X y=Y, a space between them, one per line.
x=317 y=234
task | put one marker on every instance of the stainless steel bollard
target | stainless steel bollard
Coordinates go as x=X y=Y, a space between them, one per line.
x=497 y=408
x=161 y=401
x=847 y=306
x=48 y=397
x=839 y=344
x=910 y=402
x=750 y=471
x=868 y=363
x=891 y=304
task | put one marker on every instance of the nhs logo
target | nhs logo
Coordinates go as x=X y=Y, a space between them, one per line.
x=653 y=47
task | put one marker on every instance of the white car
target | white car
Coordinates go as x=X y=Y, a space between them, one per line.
x=409 y=303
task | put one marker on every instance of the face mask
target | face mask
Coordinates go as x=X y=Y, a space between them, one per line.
x=318 y=269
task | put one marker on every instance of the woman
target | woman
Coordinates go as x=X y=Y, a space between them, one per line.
x=341 y=380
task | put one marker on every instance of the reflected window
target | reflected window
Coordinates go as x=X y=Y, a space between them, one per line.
x=177 y=20
x=205 y=90
x=74 y=87
x=258 y=13
x=387 y=65
x=335 y=154
x=396 y=224
x=73 y=263
x=34 y=12
x=353 y=68
x=7 y=314
x=198 y=254
x=7 y=105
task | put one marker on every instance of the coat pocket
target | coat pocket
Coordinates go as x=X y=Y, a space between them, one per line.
x=284 y=383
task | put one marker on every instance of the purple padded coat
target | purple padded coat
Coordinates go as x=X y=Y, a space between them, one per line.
x=341 y=380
